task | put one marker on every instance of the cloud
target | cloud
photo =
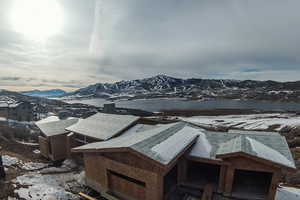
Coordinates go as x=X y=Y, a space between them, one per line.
x=198 y=38
x=9 y=78
x=111 y=40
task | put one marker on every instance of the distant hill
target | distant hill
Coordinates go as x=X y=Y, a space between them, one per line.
x=10 y=96
x=45 y=93
x=194 y=88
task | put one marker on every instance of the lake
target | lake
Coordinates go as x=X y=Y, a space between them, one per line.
x=177 y=103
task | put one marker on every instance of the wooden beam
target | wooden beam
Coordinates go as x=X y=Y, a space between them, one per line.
x=160 y=187
x=222 y=179
x=119 y=149
x=86 y=196
x=208 y=192
x=207 y=160
x=108 y=196
x=273 y=186
x=229 y=181
x=182 y=170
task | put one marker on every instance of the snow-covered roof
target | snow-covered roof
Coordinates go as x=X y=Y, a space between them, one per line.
x=172 y=146
x=162 y=143
x=48 y=119
x=8 y=104
x=138 y=128
x=103 y=126
x=56 y=127
x=267 y=153
x=265 y=145
x=3 y=105
x=202 y=148
x=244 y=144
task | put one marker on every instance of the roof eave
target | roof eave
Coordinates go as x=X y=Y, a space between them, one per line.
x=103 y=150
x=106 y=138
x=258 y=159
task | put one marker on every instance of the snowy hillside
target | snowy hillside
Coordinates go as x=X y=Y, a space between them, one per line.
x=166 y=86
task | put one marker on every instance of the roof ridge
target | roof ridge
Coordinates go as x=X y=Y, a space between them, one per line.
x=269 y=153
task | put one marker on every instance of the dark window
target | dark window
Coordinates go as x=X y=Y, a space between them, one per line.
x=251 y=184
x=141 y=183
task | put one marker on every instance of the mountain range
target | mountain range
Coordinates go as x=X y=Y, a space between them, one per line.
x=45 y=93
x=194 y=88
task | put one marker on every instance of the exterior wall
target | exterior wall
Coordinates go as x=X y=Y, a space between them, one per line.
x=97 y=168
x=58 y=147
x=44 y=146
x=250 y=165
x=72 y=142
x=3 y=112
x=227 y=173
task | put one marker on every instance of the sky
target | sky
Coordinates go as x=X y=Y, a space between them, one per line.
x=90 y=41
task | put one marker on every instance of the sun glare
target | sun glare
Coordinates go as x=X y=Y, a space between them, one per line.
x=37 y=19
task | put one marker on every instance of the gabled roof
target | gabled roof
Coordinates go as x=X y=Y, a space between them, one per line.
x=237 y=144
x=161 y=144
x=164 y=142
x=56 y=127
x=103 y=126
x=247 y=145
x=269 y=146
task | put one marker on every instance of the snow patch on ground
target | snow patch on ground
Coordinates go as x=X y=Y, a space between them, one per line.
x=9 y=161
x=33 y=166
x=287 y=193
x=67 y=166
x=43 y=182
x=36 y=186
x=37 y=151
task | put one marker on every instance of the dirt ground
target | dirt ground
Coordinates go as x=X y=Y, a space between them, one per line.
x=22 y=152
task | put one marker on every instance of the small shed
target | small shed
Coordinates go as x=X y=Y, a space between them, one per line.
x=99 y=127
x=109 y=108
x=53 y=142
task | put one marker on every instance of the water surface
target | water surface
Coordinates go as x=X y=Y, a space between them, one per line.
x=177 y=103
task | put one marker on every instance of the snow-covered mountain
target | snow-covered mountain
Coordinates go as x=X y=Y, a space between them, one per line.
x=167 y=86
x=45 y=93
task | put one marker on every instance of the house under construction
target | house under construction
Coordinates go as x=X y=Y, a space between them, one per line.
x=153 y=162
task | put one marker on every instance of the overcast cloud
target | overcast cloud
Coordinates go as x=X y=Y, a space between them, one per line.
x=111 y=40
